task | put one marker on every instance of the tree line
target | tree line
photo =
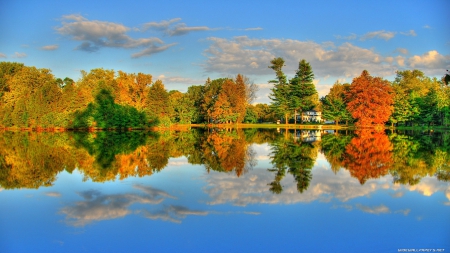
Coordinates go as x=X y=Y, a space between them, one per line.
x=411 y=99
x=35 y=98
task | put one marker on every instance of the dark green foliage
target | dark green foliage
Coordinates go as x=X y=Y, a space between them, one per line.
x=296 y=157
x=104 y=113
x=303 y=94
x=104 y=146
x=280 y=92
x=195 y=94
x=250 y=116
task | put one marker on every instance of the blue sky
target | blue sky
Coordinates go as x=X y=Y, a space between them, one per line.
x=184 y=42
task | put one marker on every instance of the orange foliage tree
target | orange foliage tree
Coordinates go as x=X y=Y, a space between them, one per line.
x=370 y=100
x=368 y=155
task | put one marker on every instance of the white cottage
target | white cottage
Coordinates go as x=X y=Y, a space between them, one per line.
x=311 y=116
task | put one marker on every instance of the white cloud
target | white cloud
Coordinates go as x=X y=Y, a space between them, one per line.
x=252 y=57
x=180 y=80
x=96 y=34
x=173 y=28
x=50 y=47
x=153 y=49
x=75 y=17
x=400 y=61
x=350 y=37
x=161 y=26
x=409 y=33
x=253 y=29
x=182 y=29
x=19 y=55
x=2 y=55
x=427 y=27
x=378 y=35
x=430 y=60
x=402 y=50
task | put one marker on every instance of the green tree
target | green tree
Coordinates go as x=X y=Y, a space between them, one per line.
x=334 y=106
x=303 y=94
x=250 y=115
x=280 y=92
x=182 y=107
x=296 y=157
x=158 y=105
x=195 y=95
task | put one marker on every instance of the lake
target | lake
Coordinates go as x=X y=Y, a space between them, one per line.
x=225 y=190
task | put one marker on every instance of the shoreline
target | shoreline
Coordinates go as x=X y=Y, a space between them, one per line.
x=184 y=127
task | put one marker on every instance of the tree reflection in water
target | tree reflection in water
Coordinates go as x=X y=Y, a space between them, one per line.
x=368 y=155
x=296 y=157
x=33 y=160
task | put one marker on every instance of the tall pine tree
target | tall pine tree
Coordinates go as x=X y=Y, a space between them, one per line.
x=303 y=93
x=280 y=91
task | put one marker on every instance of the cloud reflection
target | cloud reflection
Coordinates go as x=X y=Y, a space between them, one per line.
x=374 y=210
x=173 y=213
x=325 y=186
x=53 y=194
x=97 y=206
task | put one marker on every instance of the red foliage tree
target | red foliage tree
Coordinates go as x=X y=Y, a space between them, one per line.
x=370 y=100
x=368 y=155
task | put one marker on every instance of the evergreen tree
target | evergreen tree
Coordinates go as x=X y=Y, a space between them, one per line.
x=303 y=94
x=280 y=91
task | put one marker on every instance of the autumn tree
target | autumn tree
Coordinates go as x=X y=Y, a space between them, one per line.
x=370 y=100
x=32 y=99
x=210 y=95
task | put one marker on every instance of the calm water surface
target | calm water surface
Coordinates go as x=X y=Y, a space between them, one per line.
x=225 y=190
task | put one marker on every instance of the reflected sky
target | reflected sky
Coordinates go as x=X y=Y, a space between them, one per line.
x=187 y=208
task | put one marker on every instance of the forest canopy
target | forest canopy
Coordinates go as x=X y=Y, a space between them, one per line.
x=34 y=98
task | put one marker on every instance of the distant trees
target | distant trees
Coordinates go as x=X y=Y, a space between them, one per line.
x=412 y=98
x=34 y=98
x=419 y=99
